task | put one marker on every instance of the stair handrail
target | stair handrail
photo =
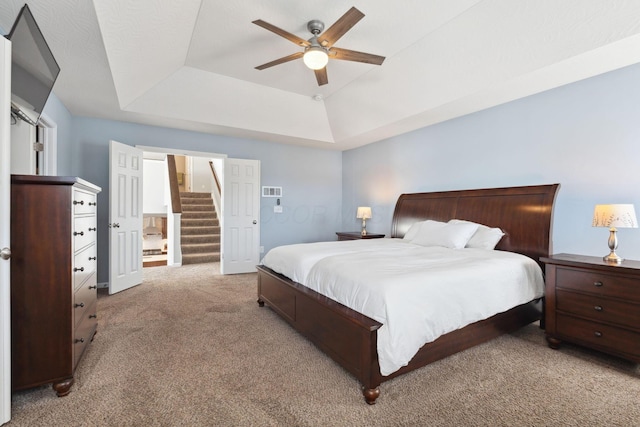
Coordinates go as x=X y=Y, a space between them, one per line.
x=174 y=189
x=215 y=176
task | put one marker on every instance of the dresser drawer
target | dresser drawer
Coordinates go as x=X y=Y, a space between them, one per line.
x=84 y=203
x=599 y=335
x=599 y=309
x=84 y=265
x=84 y=299
x=598 y=283
x=83 y=334
x=84 y=232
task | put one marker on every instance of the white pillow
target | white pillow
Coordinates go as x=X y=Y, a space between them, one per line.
x=412 y=232
x=449 y=235
x=484 y=238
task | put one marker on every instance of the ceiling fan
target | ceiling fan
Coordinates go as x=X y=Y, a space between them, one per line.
x=320 y=47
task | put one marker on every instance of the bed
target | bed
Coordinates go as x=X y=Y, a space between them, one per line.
x=351 y=338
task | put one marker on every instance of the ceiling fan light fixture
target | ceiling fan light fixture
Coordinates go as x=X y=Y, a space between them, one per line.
x=315 y=57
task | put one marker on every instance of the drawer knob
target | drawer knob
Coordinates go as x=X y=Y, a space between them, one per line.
x=79 y=340
x=78 y=269
x=78 y=233
x=81 y=202
x=93 y=229
x=93 y=203
x=93 y=316
x=597 y=334
x=598 y=308
x=597 y=284
x=93 y=286
x=79 y=305
x=93 y=258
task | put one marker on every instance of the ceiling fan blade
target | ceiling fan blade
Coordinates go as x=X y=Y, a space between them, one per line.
x=321 y=76
x=352 y=55
x=282 y=60
x=282 y=33
x=340 y=27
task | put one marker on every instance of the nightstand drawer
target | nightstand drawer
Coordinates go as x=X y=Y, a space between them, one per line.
x=599 y=335
x=599 y=309
x=598 y=283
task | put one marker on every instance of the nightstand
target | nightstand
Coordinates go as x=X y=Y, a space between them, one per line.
x=594 y=304
x=355 y=235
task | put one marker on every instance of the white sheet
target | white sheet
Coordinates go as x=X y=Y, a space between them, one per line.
x=418 y=293
x=295 y=261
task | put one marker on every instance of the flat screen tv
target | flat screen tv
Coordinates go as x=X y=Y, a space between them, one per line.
x=33 y=68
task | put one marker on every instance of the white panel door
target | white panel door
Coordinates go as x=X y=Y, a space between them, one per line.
x=125 y=217
x=240 y=216
x=5 y=227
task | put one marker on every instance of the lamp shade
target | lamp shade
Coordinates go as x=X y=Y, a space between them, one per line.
x=615 y=216
x=315 y=58
x=363 y=212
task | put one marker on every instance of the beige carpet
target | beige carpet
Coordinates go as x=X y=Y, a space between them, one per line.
x=188 y=348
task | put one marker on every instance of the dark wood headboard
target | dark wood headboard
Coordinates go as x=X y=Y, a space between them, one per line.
x=524 y=213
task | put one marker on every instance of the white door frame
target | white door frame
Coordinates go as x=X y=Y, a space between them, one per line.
x=5 y=229
x=181 y=152
x=50 y=140
x=173 y=225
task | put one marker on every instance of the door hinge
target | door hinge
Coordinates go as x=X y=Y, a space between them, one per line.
x=38 y=146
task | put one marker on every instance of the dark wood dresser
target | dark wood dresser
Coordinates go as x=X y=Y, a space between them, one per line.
x=53 y=278
x=592 y=303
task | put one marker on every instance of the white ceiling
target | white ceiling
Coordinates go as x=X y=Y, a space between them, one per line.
x=189 y=64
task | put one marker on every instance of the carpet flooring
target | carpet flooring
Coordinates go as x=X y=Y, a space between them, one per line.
x=189 y=347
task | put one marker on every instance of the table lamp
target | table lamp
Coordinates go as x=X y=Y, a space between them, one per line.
x=364 y=212
x=614 y=217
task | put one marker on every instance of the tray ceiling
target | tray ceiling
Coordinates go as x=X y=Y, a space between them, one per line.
x=189 y=64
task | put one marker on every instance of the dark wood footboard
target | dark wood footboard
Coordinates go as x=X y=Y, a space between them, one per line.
x=350 y=338
x=347 y=336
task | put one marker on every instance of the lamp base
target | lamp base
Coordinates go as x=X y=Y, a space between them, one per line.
x=613 y=258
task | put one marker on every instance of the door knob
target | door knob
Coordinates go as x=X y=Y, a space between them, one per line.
x=255 y=222
x=5 y=253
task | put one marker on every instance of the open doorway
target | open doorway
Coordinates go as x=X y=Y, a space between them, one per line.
x=193 y=235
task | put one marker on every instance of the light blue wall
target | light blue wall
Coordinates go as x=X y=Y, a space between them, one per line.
x=585 y=136
x=311 y=178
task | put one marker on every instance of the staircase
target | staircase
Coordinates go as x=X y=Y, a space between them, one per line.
x=199 y=229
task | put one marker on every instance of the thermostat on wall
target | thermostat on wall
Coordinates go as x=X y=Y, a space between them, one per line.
x=271 y=191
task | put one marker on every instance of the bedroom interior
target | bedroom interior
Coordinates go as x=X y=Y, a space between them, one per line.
x=492 y=94
x=155 y=365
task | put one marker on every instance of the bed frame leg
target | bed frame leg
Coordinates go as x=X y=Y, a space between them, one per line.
x=260 y=302
x=371 y=394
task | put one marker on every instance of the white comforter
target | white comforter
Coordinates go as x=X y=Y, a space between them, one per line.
x=418 y=293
